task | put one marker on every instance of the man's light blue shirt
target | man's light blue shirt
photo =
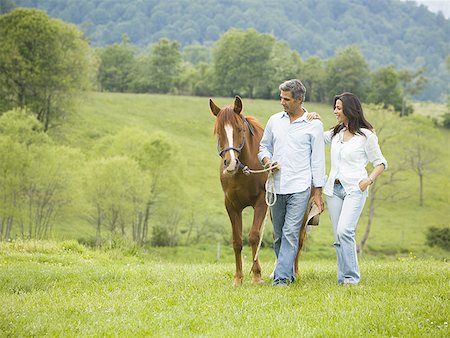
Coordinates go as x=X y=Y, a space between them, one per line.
x=299 y=149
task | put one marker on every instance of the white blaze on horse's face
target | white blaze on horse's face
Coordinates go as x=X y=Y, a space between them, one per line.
x=231 y=167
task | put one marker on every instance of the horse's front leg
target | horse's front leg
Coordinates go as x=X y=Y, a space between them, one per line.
x=255 y=235
x=236 y=225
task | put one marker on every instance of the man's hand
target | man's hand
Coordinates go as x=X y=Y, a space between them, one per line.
x=269 y=164
x=318 y=200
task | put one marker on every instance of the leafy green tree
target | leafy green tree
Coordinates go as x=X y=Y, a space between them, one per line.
x=14 y=160
x=165 y=60
x=195 y=80
x=241 y=61
x=158 y=70
x=38 y=179
x=44 y=64
x=313 y=76
x=116 y=64
x=203 y=80
x=385 y=88
x=51 y=187
x=413 y=82
x=17 y=132
x=348 y=71
x=284 y=64
x=152 y=155
x=115 y=189
x=196 y=54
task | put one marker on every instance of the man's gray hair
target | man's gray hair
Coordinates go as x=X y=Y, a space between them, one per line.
x=294 y=86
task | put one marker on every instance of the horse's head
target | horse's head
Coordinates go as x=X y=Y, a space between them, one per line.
x=230 y=131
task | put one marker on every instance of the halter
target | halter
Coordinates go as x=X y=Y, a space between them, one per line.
x=221 y=152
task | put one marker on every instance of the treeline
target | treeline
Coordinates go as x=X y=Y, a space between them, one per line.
x=386 y=31
x=251 y=64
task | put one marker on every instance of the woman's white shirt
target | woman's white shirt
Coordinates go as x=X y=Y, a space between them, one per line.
x=349 y=159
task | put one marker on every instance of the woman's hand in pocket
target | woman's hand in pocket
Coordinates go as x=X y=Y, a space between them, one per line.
x=364 y=184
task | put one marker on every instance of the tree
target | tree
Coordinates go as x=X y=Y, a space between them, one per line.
x=50 y=188
x=284 y=64
x=116 y=64
x=313 y=77
x=164 y=62
x=348 y=71
x=196 y=54
x=115 y=189
x=422 y=145
x=44 y=64
x=412 y=82
x=111 y=204
x=241 y=61
x=385 y=187
x=38 y=180
x=386 y=89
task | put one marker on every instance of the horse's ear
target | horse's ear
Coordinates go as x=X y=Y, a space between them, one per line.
x=237 y=105
x=214 y=109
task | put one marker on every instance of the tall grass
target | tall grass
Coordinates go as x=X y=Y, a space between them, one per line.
x=65 y=289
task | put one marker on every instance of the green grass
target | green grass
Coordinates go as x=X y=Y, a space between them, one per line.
x=65 y=289
x=399 y=226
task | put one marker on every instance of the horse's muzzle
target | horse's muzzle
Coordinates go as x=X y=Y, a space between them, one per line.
x=230 y=167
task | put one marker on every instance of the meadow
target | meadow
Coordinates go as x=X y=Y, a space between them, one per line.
x=66 y=289
x=63 y=288
x=193 y=187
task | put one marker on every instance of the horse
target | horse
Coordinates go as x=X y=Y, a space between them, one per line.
x=238 y=139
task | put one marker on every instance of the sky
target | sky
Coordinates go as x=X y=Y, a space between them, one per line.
x=436 y=6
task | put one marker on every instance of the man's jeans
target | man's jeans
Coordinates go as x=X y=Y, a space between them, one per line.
x=344 y=214
x=287 y=218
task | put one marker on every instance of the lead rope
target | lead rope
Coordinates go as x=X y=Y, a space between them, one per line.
x=271 y=199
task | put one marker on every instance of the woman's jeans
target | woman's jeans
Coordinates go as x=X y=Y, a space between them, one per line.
x=344 y=214
x=287 y=219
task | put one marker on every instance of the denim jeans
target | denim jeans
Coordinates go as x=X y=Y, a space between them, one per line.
x=344 y=214
x=287 y=219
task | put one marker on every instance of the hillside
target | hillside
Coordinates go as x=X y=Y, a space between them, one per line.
x=193 y=190
x=387 y=31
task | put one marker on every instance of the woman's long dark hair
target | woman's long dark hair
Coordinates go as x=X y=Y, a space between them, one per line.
x=351 y=106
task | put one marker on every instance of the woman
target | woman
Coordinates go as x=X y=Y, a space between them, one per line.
x=353 y=145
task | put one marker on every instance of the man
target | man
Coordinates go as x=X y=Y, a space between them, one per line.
x=297 y=145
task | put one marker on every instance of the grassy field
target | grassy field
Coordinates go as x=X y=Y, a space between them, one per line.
x=399 y=226
x=65 y=289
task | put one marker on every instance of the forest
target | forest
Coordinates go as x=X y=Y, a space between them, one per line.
x=387 y=32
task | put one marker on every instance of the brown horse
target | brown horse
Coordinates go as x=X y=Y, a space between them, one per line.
x=238 y=144
x=238 y=140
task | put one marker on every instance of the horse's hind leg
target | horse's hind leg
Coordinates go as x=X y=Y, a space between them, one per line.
x=254 y=238
x=301 y=240
x=236 y=225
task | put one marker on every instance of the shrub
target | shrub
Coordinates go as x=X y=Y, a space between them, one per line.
x=73 y=245
x=439 y=237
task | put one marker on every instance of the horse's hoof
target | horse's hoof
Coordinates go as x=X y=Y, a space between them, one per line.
x=257 y=281
x=237 y=282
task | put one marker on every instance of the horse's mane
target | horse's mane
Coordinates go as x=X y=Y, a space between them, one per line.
x=228 y=116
